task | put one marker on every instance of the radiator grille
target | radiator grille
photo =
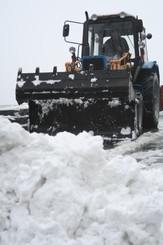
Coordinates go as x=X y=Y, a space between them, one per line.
x=97 y=63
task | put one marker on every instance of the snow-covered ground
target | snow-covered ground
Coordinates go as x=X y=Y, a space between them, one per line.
x=68 y=190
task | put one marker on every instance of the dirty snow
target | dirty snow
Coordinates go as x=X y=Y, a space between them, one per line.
x=69 y=190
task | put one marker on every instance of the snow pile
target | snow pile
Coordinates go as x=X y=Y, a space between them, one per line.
x=13 y=107
x=68 y=190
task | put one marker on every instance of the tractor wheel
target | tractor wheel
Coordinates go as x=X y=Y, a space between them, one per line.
x=151 y=97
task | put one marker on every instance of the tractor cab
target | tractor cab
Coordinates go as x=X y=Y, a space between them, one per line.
x=112 y=42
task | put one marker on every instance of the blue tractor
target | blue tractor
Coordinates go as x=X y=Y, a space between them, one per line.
x=109 y=87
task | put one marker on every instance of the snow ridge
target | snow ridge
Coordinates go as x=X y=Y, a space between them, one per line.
x=68 y=190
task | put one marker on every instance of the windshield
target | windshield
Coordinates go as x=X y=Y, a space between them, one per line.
x=111 y=39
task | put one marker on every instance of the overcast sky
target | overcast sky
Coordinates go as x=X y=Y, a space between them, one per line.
x=31 y=34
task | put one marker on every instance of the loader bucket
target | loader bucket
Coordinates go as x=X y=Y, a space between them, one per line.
x=102 y=102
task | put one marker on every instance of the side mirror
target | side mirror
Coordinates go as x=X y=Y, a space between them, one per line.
x=66 y=29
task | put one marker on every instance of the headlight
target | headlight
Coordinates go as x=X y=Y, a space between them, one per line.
x=122 y=14
x=72 y=50
x=94 y=17
x=141 y=44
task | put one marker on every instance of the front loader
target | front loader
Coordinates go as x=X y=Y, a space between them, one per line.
x=115 y=95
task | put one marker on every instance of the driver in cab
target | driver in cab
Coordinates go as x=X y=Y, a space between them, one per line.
x=115 y=46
